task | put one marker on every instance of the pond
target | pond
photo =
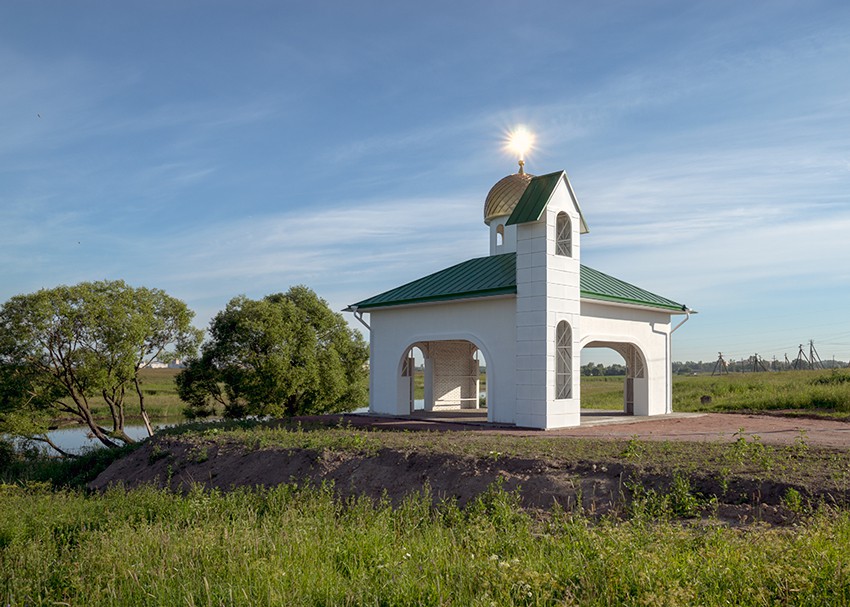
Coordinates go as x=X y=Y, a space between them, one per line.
x=78 y=438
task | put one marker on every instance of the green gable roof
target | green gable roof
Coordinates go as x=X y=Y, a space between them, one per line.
x=496 y=275
x=600 y=286
x=536 y=196
x=533 y=201
x=479 y=277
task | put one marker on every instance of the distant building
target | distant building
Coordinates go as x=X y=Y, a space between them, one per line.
x=174 y=364
x=530 y=308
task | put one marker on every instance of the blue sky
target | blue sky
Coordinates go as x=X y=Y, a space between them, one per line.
x=220 y=148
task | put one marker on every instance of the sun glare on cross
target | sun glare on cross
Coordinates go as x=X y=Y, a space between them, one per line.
x=520 y=141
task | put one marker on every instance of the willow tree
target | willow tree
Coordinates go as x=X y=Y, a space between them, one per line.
x=286 y=354
x=63 y=350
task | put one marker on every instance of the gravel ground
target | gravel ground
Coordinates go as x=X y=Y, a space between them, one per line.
x=699 y=427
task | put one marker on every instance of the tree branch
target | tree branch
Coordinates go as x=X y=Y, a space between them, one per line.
x=46 y=439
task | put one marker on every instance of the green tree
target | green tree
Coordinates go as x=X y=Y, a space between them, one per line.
x=60 y=348
x=285 y=354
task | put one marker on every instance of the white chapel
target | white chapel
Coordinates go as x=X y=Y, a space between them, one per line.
x=529 y=308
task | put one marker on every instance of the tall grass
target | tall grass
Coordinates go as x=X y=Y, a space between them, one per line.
x=298 y=546
x=806 y=391
x=32 y=465
x=811 y=391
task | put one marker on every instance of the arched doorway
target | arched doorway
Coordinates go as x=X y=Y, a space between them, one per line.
x=635 y=383
x=413 y=377
x=445 y=375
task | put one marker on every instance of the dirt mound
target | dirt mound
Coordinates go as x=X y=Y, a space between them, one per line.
x=597 y=489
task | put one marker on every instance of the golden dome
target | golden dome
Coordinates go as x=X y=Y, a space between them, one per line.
x=505 y=195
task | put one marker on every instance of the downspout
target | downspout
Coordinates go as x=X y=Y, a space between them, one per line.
x=359 y=316
x=669 y=368
x=684 y=320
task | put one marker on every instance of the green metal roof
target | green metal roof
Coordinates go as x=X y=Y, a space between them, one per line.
x=496 y=275
x=479 y=277
x=597 y=285
x=536 y=196
x=533 y=201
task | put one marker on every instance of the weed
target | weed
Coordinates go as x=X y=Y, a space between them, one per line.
x=801 y=447
x=683 y=502
x=793 y=500
x=157 y=453
x=723 y=474
x=650 y=504
x=199 y=454
x=635 y=449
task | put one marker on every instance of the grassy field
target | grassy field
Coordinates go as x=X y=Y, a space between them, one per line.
x=806 y=391
x=820 y=392
x=602 y=393
x=161 y=400
x=299 y=546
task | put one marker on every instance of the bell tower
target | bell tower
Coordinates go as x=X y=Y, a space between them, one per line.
x=500 y=203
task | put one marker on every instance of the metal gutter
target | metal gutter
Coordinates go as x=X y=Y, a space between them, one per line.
x=684 y=320
x=358 y=315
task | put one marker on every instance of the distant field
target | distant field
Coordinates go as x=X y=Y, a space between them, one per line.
x=821 y=392
x=602 y=392
x=161 y=400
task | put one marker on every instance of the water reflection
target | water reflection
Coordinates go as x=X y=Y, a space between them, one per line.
x=79 y=438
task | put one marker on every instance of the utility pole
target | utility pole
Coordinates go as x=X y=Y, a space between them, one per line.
x=801 y=356
x=720 y=364
x=814 y=357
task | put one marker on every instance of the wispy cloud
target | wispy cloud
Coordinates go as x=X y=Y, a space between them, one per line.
x=345 y=253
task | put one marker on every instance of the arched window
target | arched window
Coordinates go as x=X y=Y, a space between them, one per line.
x=563 y=360
x=564 y=240
x=500 y=235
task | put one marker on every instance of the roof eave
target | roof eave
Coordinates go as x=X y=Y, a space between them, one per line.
x=584 y=228
x=493 y=294
x=627 y=303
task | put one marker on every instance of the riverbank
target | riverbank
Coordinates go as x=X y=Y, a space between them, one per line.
x=743 y=479
x=331 y=511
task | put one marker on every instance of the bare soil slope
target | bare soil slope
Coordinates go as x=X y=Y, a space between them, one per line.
x=597 y=487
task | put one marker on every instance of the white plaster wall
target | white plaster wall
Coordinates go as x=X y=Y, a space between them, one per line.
x=564 y=303
x=647 y=329
x=488 y=323
x=548 y=292
x=509 y=241
x=532 y=357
